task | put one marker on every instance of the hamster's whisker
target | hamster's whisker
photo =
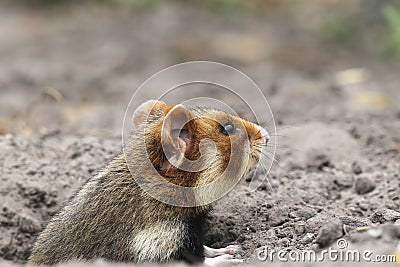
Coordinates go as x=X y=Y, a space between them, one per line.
x=278 y=135
x=266 y=175
x=271 y=157
x=262 y=149
x=264 y=123
x=285 y=128
x=266 y=169
x=271 y=145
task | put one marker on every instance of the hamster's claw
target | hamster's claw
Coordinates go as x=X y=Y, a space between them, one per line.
x=222 y=260
x=213 y=252
x=221 y=256
x=232 y=249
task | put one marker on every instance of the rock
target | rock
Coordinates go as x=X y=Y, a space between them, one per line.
x=278 y=216
x=355 y=222
x=307 y=238
x=313 y=224
x=344 y=181
x=299 y=227
x=385 y=215
x=7 y=212
x=285 y=232
x=7 y=217
x=355 y=132
x=8 y=252
x=230 y=221
x=329 y=232
x=284 y=242
x=316 y=159
x=356 y=168
x=363 y=205
x=304 y=213
x=37 y=196
x=363 y=185
x=28 y=225
x=263 y=187
x=271 y=234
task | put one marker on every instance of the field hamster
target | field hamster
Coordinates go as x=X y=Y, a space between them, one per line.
x=113 y=218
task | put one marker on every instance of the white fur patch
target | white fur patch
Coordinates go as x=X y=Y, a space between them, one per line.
x=156 y=243
x=264 y=133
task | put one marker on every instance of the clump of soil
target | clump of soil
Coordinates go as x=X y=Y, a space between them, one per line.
x=37 y=177
x=308 y=206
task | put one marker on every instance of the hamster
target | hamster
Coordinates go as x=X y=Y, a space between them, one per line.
x=113 y=218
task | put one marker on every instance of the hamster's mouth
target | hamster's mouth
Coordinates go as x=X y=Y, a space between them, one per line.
x=259 y=148
x=253 y=162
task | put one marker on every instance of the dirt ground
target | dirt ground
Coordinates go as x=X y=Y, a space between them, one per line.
x=66 y=77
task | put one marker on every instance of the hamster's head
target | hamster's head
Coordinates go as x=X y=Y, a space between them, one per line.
x=197 y=146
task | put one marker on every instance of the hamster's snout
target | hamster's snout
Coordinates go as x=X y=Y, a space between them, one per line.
x=264 y=135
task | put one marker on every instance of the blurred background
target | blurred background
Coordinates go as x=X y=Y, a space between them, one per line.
x=72 y=66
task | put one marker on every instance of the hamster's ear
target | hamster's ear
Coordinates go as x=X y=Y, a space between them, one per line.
x=177 y=133
x=144 y=110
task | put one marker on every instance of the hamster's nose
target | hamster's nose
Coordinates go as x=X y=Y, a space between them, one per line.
x=266 y=140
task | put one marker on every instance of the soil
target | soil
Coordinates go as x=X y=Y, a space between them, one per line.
x=66 y=80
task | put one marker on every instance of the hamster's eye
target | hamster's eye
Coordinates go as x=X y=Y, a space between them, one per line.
x=228 y=129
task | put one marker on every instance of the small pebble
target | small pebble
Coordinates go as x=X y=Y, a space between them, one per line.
x=363 y=185
x=315 y=223
x=304 y=213
x=385 y=215
x=329 y=232
x=356 y=168
x=271 y=234
x=315 y=247
x=318 y=160
x=344 y=181
x=355 y=222
x=284 y=242
x=299 y=227
x=278 y=216
x=28 y=225
x=263 y=187
x=307 y=238
x=363 y=206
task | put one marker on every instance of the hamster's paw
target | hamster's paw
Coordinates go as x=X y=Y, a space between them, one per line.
x=213 y=252
x=222 y=260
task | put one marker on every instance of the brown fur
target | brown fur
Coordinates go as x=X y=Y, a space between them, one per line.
x=111 y=214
